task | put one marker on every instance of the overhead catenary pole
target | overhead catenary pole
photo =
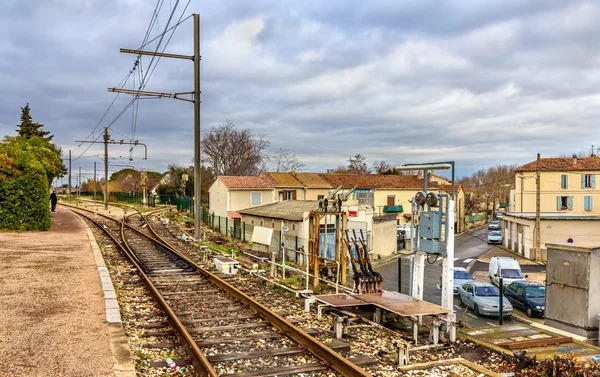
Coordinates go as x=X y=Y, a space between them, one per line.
x=79 y=185
x=94 y=180
x=69 y=183
x=196 y=100
x=537 y=209
x=197 y=160
x=106 y=139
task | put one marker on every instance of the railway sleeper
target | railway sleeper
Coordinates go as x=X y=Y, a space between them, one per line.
x=340 y=347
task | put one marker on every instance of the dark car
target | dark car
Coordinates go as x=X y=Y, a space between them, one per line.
x=527 y=295
x=494 y=225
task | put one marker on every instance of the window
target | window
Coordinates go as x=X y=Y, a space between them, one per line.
x=564 y=203
x=289 y=195
x=391 y=200
x=293 y=226
x=588 y=181
x=564 y=181
x=320 y=197
x=256 y=198
x=588 y=203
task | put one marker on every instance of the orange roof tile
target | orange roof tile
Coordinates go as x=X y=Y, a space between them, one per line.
x=373 y=181
x=244 y=182
x=311 y=180
x=563 y=164
x=233 y=215
x=281 y=179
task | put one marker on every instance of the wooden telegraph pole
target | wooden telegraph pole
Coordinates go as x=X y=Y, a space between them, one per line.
x=195 y=100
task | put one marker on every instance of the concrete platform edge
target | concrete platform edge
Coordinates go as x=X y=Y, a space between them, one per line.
x=119 y=347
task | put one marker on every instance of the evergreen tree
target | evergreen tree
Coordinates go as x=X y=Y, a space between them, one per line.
x=28 y=128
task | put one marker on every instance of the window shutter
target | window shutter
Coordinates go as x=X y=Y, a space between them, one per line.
x=294 y=195
x=593 y=180
x=570 y=203
x=558 y=203
x=586 y=203
x=583 y=181
x=591 y=203
x=564 y=182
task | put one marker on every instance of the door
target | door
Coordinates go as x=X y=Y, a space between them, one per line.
x=391 y=200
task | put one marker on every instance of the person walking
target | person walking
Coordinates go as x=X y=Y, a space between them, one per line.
x=53 y=200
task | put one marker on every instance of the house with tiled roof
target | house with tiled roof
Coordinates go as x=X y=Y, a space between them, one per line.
x=297 y=186
x=390 y=193
x=229 y=194
x=568 y=204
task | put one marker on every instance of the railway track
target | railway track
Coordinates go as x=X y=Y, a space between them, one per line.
x=223 y=328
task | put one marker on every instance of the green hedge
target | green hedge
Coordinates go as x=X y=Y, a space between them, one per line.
x=24 y=187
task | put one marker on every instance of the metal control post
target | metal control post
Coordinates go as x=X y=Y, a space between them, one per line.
x=501 y=305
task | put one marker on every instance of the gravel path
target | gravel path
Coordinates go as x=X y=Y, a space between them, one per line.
x=51 y=304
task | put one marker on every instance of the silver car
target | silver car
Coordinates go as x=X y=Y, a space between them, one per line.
x=461 y=276
x=484 y=299
x=495 y=236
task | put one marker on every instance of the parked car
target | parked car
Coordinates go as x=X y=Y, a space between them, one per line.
x=494 y=225
x=507 y=267
x=527 y=295
x=495 y=236
x=499 y=215
x=484 y=299
x=461 y=276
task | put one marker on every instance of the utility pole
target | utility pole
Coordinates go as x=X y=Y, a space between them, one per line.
x=94 y=180
x=69 y=175
x=195 y=100
x=143 y=176
x=537 y=209
x=522 y=178
x=106 y=139
x=79 y=185
x=197 y=162
x=106 y=142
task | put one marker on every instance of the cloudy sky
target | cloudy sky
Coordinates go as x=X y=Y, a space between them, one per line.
x=478 y=82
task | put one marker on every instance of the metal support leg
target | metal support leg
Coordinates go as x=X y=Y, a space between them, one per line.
x=307 y=303
x=402 y=357
x=377 y=316
x=338 y=327
x=416 y=332
x=435 y=333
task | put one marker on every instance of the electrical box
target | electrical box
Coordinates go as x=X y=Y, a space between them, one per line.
x=430 y=246
x=431 y=225
x=227 y=265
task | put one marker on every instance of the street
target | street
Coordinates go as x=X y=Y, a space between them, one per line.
x=467 y=248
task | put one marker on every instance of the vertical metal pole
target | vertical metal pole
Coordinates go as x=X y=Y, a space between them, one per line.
x=79 y=185
x=94 y=180
x=537 y=210
x=106 y=139
x=448 y=261
x=399 y=274
x=197 y=159
x=69 y=175
x=501 y=304
x=522 y=193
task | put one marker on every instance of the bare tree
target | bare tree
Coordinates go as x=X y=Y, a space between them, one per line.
x=382 y=167
x=230 y=151
x=357 y=165
x=283 y=161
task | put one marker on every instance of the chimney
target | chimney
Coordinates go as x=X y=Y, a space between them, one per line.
x=574 y=159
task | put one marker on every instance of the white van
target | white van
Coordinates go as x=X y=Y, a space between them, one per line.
x=507 y=267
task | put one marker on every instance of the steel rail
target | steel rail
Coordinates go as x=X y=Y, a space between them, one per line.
x=341 y=364
x=200 y=361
